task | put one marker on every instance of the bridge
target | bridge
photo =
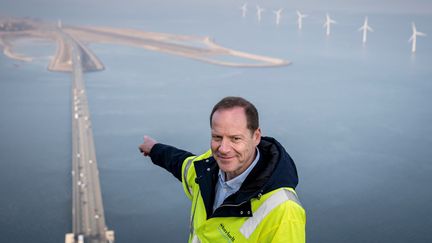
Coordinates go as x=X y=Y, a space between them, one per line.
x=88 y=219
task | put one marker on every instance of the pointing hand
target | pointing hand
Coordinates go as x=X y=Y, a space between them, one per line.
x=147 y=145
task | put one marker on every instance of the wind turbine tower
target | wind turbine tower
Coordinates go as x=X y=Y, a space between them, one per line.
x=278 y=14
x=300 y=19
x=413 y=38
x=328 y=23
x=259 y=12
x=365 y=28
x=59 y=23
x=244 y=10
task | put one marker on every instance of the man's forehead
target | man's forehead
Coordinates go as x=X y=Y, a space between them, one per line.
x=237 y=110
x=230 y=118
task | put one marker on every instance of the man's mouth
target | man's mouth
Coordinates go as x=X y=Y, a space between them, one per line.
x=225 y=157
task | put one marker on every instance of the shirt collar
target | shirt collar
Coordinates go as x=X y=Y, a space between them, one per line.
x=236 y=182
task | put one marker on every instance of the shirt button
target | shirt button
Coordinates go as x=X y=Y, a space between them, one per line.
x=241 y=212
x=248 y=212
x=208 y=169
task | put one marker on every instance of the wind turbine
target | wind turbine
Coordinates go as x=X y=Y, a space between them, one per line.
x=299 y=19
x=244 y=9
x=278 y=14
x=327 y=24
x=59 y=23
x=365 y=28
x=259 y=11
x=413 y=38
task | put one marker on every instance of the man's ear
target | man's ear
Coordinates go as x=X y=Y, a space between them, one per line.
x=257 y=136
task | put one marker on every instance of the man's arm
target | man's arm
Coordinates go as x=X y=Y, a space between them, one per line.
x=165 y=156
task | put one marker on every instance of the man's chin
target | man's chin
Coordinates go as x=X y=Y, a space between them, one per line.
x=226 y=167
x=225 y=161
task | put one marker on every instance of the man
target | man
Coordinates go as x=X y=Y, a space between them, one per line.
x=242 y=189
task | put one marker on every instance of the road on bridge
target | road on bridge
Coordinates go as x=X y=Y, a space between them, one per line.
x=87 y=207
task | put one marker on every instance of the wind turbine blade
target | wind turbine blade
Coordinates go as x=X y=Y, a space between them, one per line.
x=411 y=38
x=421 y=34
x=370 y=29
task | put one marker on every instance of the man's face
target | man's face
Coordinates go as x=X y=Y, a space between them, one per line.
x=232 y=143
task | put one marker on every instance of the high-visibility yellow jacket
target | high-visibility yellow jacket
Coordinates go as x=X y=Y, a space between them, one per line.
x=265 y=209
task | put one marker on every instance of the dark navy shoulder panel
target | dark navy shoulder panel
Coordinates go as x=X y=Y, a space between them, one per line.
x=169 y=158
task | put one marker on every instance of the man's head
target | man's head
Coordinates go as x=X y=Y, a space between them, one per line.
x=249 y=109
x=235 y=134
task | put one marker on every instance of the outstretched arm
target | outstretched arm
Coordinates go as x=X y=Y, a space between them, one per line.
x=165 y=156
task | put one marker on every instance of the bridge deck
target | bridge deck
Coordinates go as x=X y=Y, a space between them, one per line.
x=87 y=212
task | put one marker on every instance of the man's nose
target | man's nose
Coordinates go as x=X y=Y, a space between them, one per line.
x=224 y=146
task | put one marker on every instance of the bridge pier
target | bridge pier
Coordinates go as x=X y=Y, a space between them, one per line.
x=72 y=238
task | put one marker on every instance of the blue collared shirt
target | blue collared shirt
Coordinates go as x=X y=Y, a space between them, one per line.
x=225 y=188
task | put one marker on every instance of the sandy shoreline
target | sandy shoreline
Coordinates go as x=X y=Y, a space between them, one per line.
x=201 y=48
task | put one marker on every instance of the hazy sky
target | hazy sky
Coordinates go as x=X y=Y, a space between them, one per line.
x=26 y=7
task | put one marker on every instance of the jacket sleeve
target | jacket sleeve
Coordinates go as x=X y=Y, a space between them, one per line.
x=169 y=158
